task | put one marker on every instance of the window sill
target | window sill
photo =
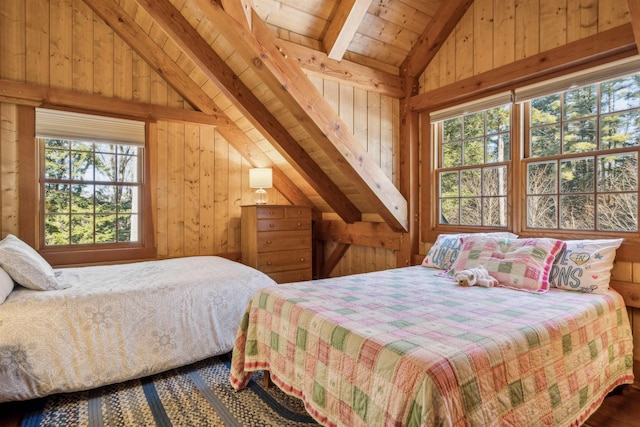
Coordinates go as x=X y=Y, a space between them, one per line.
x=75 y=256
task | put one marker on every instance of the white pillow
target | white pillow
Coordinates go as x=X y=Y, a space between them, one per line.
x=26 y=266
x=6 y=285
x=445 y=250
x=585 y=265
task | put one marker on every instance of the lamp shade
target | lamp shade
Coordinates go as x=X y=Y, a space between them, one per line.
x=260 y=178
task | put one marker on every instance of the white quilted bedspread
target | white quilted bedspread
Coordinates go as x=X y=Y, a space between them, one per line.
x=120 y=322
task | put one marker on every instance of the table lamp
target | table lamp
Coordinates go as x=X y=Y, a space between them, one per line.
x=261 y=178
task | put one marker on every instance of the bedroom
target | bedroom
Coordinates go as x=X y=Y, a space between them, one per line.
x=202 y=143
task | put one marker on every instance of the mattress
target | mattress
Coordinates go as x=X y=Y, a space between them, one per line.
x=119 y=322
x=410 y=347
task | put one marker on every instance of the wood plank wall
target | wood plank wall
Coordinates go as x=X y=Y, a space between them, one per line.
x=201 y=181
x=373 y=118
x=497 y=32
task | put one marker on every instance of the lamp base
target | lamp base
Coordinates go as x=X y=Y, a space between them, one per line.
x=261 y=196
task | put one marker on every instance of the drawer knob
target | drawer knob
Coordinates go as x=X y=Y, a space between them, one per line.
x=268 y=242
x=268 y=262
x=302 y=240
x=301 y=259
x=272 y=225
x=299 y=224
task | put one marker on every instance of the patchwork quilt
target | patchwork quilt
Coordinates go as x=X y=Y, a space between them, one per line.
x=410 y=347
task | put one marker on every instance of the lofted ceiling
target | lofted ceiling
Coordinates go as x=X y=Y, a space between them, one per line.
x=375 y=33
x=248 y=62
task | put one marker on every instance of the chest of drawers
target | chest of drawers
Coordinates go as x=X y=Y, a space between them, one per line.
x=276 y=239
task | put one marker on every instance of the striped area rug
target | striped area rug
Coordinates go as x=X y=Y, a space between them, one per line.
x=195 y=395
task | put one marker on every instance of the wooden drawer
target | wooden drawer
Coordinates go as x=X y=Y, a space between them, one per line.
x=273 y=212
x=277 y=240
x=269 y=241
x=291 y=275
x=269 y=262
x=283 y=224
x=297 y=212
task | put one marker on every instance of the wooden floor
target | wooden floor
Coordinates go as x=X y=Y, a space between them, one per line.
x=618 y=410
x=622 y=410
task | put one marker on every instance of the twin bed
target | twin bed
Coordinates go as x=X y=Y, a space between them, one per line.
x=114 y=323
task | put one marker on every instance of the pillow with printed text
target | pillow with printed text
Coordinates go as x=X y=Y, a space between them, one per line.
x=444 y=251
x=585 y=265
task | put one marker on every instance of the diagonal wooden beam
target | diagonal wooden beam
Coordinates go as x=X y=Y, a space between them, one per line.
x=360 y=76
x=333 y=259
x=239 y=9
x=318 y=63
x=214 y=67
x=297 y=93
x=436 y=33
x=347 y=17
x=123 y=25
x=634 y=12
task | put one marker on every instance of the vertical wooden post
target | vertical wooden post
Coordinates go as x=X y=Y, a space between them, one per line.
x=28 y=179
x=409 y=172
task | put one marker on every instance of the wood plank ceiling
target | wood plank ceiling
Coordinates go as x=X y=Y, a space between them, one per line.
x=249 y=61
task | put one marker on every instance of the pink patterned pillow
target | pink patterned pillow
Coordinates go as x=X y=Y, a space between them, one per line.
x=522 y=264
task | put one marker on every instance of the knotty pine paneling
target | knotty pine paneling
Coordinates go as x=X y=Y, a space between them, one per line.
x=37 y=41
x=498 y=32
x=361 y=259
x=371 y=117
x=199 y=181
x=8 y=169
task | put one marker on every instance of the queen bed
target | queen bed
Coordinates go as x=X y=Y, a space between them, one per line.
x=410 y=347
x=107 y=324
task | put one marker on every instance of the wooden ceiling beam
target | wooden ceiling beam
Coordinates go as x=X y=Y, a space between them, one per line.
x=434 y=36
x=319 y=64
x=123 y=25
x=240 y=10
x=369 y=234
x=347 y=17
x=360 y=76
x=214 y=67
x=286 y=79
x=608 y=45
x=634 y=12
x=45 y=96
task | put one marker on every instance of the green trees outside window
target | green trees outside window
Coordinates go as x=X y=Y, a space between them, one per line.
x=579 y=156
x=583 y=143
x=475 y=155
x=91 y=192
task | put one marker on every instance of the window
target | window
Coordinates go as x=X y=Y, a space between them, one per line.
x=473 y=167
x=92 y=192
x=563 y=152
x=582 y=165
x=88 y=196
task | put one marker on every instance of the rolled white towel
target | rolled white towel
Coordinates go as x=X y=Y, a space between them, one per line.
x=475 y=276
